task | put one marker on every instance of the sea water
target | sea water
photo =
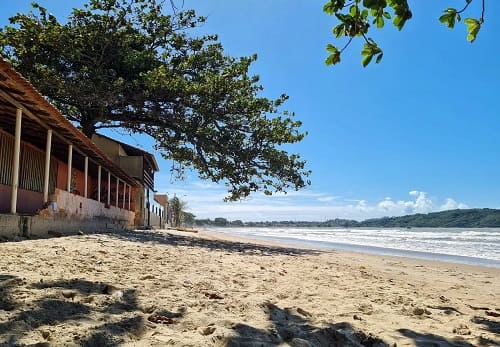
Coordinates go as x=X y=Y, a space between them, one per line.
x=463 y=245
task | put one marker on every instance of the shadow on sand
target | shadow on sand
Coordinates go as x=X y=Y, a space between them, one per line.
x=165 y=238
x=58 y=305
x=295 y=330
x=428 y=340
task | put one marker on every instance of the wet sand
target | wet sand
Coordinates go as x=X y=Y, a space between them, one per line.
x=168 y=288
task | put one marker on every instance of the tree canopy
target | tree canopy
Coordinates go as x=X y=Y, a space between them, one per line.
x=356 y=18
x=177 y=209
x=135 y=65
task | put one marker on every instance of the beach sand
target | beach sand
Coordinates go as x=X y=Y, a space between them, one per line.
x=166 y=288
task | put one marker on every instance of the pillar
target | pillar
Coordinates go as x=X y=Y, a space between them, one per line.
x=15 y=166
x=117 y=190
x=48 y=149
x=124 y=193
x=99 y=183
x=109 y=188
x=86 y=178
x=129 y=194
x=70 y=163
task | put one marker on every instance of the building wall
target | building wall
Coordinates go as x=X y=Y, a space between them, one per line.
x=139 y=200
x=5 y=192
x=77 y=179
x=40 y=226
x=132 y=165
x=31 y=176
x=111 y=148
x=77 y=206
x=28 y=201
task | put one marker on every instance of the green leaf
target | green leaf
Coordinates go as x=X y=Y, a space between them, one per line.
x=329 y=8
x=354 y=10
x=450 y=17
x=387 y=15
x=331 y=48
x=473 y=27
x=366 y=60
x=371 y=3
x=333 y=58
x=370 y=49
x=339 y=30
x=380 y=22
x=398 y=22
x=445 y=18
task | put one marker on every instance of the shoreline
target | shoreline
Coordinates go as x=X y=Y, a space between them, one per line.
x=215 y=235
x=157 y=288
x=367 y=249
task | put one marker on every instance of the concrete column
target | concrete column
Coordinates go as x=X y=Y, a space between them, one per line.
x=129 y=194
x=15 y=166
x=99 y=183
x=124 y=193
x=48 y=148
x=70 y=163
x=148 y=207
x=86 y=178
x=109 y=188
x=117 y=190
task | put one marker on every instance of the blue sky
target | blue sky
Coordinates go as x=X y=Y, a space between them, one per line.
x=416 y=133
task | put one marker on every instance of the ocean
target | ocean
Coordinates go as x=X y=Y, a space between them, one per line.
x=479 y=246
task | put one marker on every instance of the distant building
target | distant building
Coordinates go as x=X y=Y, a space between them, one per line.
x=141 y=166
x=52 y=177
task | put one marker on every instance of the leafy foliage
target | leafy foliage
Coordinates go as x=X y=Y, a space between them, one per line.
x=356 y=17
x=177 y=207
x=125 y=64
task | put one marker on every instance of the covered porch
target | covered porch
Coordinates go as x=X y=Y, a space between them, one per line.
x=48 y=166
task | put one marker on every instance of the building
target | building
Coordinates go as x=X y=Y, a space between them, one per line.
x=150 y=209
x=52 y=177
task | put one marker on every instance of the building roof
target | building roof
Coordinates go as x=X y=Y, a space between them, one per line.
x=17 y=92
x=136 y=152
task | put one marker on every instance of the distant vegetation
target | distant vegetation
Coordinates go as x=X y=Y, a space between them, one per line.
x=470 y=218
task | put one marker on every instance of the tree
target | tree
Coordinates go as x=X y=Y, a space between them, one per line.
x=188 y=218
x=238 y=223
x=125 y=64
x=220 y=222
x=177 y=207
x=356 y=17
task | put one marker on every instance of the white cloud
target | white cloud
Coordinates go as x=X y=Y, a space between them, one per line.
x=204 y=185
x=327 y=198
x=422 y=204
x=387 y=204
x=451 y=204
x=206 y=201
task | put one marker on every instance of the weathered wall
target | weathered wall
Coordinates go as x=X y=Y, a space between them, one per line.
x=5 y=192
x=40 y=226
x=68 y=214
x=79 y=207
x=28 y=202
x=62 y=175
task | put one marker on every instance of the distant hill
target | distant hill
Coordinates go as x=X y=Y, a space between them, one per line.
x=470 y=218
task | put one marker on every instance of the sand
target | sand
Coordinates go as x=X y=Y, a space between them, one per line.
x=159 y=288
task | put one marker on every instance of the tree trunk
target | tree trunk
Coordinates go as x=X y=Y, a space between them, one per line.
x=88 y=128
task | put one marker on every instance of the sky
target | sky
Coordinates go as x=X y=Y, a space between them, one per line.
x=417 y=133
